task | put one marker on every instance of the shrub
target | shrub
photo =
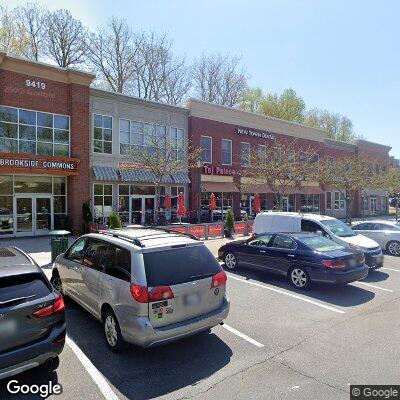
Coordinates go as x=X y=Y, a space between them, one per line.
x=230 y=220
x=114 y=221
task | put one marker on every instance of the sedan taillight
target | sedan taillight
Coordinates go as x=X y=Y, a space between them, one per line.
x=219 y=279
x=55 y=308
x=334 y=263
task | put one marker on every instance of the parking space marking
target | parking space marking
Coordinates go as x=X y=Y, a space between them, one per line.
x=95 y=374
x=391 y=269
x=295 y=296
x=374 y=286
x=242 y=335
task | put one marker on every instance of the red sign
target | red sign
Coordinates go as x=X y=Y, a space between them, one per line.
x=198 y=231
x=215 y=230
x=240 y=227
x=212 y=170
x=179 y=229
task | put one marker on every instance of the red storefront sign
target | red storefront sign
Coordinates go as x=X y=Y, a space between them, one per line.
x=198 y=231
x=215 y=230
x=179 y=229
x=240 y=227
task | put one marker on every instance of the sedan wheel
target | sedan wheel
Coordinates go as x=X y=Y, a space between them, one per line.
x=230 y=261
x=299 y=278
x=394 y=248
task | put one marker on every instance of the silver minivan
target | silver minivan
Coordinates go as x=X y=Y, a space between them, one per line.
x=147 y=286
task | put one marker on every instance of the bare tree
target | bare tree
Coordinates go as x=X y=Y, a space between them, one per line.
x=113 y=52
x=177 y=84
x=282 y=166
x=65 y=38
x=219 y=79
x=12 y=40
x=31 y=22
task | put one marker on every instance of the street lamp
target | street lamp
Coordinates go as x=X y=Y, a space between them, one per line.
x=199 y=166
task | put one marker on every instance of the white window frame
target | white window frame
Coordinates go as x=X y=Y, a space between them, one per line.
x=326 y=200
x=112 y=133
x=211 y=153
x=169 y=128
x=98 y=195
x=228 y=140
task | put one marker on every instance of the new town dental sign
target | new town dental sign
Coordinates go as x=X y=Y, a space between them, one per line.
x=19 y=163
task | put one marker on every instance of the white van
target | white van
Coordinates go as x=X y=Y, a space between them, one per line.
x=336 y=230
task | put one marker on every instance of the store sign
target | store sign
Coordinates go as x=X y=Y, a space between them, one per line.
x=212 y=170
x=15 y=163
x=31 y=87
x=254 y=133
x=127 y=165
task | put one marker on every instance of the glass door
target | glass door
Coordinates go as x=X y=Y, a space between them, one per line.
x=373 y=204
x=142 y=210
x=136 y=211
x=285 y=203
x=24 y=216
x=149 y=203
x=42 y=215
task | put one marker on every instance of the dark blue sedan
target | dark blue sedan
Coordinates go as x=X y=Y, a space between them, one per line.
x=303 y=258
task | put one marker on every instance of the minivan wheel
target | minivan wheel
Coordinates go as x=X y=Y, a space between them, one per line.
x=230 y=261
x=299 y=278
x=112 y=332
x=393 y=248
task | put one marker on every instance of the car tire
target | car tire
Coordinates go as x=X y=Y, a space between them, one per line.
x=299 y=278
x=112 y=332
x=52 y=365
x=230 y=261
x=393 y=248
x=56 y=282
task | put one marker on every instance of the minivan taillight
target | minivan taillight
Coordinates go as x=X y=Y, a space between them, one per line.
x=55 y=308
x=219 y=279
x=139 y=293
x=160 y=293
x=334 y=263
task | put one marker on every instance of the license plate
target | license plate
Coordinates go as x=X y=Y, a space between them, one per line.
x=8 y=327
x=192 y=299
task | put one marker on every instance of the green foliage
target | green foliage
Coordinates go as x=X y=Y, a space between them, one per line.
x=252 y=99
x=229 y=220
x=113 y=221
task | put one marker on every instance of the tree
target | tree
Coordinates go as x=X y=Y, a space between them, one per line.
x=65 y=39
x=283 y=166
x=31 y=22
x=219 y=79
x=113 y=52
x=288 y=106
x=338 y=126
x=12 y=40
x=163 y=157
x=252 y=100
x=177 y=85
x=391 y=183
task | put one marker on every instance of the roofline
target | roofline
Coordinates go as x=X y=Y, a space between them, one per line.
x=339 y=145
x=357 y=141
x=137 y=100
x=45 y=70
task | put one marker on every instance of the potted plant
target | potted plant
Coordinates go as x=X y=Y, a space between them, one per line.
x=113 y=221
x=229 y=225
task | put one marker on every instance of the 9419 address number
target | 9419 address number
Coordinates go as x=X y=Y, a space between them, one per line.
x=35 y=84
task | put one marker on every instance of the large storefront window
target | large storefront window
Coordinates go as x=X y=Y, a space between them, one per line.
x=285 y=203
x=102 y=199
x=224 y=201
x=27 y=131
x=309 y=203
x=247 y=204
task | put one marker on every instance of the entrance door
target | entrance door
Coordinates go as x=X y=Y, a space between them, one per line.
x=142 y=210
x=373 y=203
x=33 y=215
x=285 y=203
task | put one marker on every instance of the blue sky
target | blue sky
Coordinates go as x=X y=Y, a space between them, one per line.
x=340 y=55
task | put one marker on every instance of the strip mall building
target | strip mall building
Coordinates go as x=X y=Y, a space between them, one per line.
x=63 y=143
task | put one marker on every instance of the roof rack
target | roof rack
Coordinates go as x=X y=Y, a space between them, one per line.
x=174 y=232
x=127 y=238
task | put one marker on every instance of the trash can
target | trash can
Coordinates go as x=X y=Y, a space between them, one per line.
x=59 y=243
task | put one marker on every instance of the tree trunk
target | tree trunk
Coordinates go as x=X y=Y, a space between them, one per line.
x=157 y=205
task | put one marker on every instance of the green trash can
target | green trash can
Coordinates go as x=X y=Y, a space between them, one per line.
x=59 y=243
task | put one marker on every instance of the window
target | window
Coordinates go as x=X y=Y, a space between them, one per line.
x=95 y=254
x=175 y=190
x=310 y=226
x=102 y=200
x=102 y=134
x=75 y=252
x=135 y=134
x=329 y=200
x=244 y=154
x=206 y=149
x=262 y=240
x=262 y=153
x=337 y=200
x=32 y=132
x=315 y=162
x=118 y=263
x=309 y=202
x=226 y=152
x=277 y=154
x=342 y=201
x=283 y=242
x=321 y=244
x=177 y=143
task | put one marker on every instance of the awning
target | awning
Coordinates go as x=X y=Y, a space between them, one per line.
x=102 y=173
x=140 y=175
x=263 y=188
x=311 y=190
x=180 y=177
x=217 y=187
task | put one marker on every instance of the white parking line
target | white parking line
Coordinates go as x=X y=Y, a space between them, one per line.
x=295 y=296
x=95 y=374
x=391 y=269
x=242 y=335
x=374 y=286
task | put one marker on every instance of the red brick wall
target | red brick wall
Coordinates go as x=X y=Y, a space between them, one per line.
x=58 y=98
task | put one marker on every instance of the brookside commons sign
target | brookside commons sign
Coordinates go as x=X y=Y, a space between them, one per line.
x=31 y=163
x=254 y=133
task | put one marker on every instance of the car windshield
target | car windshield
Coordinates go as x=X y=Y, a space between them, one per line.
x=338 y=228
x=321 y=244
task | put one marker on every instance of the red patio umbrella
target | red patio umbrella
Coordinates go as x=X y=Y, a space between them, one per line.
x=212 y=203
x=167 y=201
x=257 y=205
x=181 y=210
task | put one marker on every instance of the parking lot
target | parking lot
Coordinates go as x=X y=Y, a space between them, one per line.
x=277 y=343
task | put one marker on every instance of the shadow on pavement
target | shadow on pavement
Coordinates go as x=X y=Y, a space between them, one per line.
x=339 y=295
x=376 y=276
x=147 y=373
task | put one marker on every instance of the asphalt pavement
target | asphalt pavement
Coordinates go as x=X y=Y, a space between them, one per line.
x=278 y=343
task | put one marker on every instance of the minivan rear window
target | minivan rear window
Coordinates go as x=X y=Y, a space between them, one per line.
x=22 y=288
x=175 y=266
